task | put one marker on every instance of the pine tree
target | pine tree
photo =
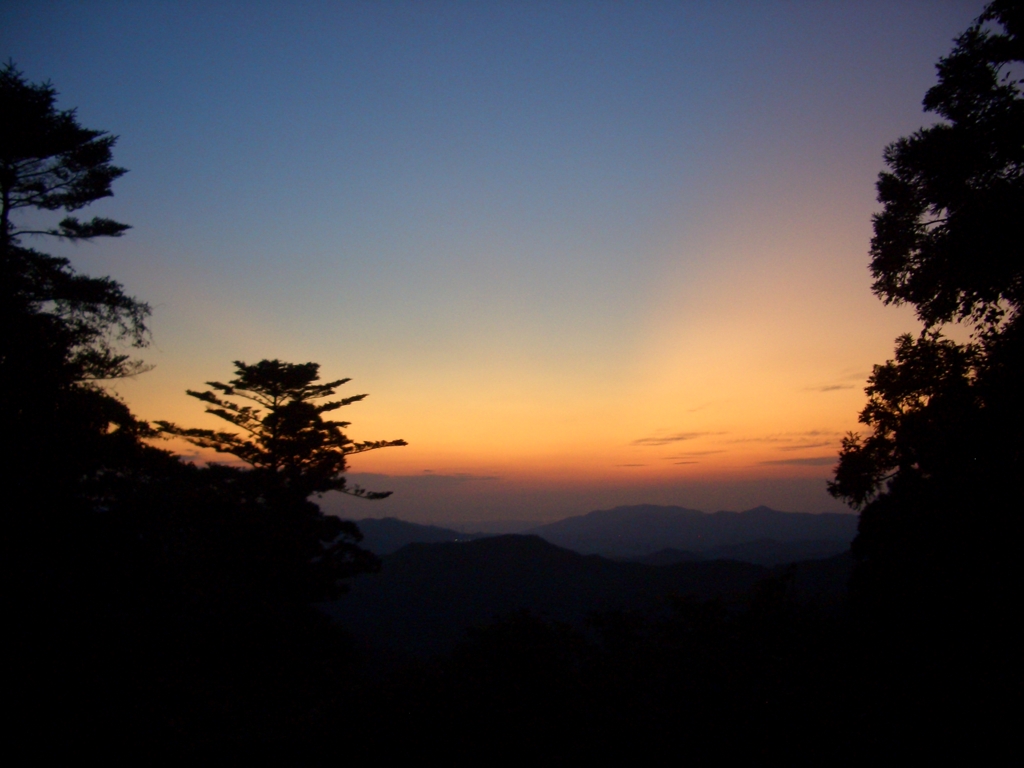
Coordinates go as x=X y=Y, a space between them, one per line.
x=284 y=436
x=294 y=453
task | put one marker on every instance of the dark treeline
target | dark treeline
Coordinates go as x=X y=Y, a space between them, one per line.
x=159 y=608
x=152 y=602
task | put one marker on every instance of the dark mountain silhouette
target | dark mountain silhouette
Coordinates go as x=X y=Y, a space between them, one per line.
x=427 y=595
x=657 y=535
x=761 y=552
x=386 y=535
x=667 y=556
x=645 y=529
x=493 y=527
x=772 y=552
x=821 y=581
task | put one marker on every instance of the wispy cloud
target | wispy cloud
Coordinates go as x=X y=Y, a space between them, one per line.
x=691 y=454
x=685 y=462
x=850 y=379
x=676 y=438
x=789 y=437
x=803 y=446
x=630 y=465
x=830 y=387
x=813 y=461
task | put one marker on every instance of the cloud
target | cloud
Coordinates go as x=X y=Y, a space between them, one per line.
x=685 y=462
x=849 y=379
x=802 y=446
x=813 y=461
x=676 y=438
x=789 y=437
x=691 y=454
x=630 y=465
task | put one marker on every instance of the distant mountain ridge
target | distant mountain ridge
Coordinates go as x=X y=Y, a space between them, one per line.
x=635 y=531
x=761 y=535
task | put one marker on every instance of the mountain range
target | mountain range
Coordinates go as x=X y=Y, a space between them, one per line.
x=427 y=595
x=659 y=534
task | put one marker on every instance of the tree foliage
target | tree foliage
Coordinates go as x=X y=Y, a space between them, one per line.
x=63 y=331
x=949 y=241
x=938 y=477
x=948 y=238
x=50 y=162
x=66 y=326
x=294 y=453
x=284 y=436
x=149 y=597
x=915 y=402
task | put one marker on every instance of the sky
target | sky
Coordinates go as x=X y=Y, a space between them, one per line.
x=579 y=254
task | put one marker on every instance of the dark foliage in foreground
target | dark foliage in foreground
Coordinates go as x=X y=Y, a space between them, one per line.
x=148 y=602
x=939 y=478
x=948 y=238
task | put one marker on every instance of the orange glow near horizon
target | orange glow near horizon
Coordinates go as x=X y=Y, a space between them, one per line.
x=556 y=281
x=743 y=374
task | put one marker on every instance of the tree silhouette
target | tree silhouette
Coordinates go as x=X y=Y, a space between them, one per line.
x=294 y=453
x=914 y=406
x=948 y=241
x=147 y=597
x=50 y=162
x=284 y=436
x=948 y=237
x=63 y=332
x=76 y=549
x=938 y=479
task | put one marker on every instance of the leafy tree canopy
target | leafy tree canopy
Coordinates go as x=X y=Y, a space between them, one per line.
x=948 y=238
x=949 y=241
x=912 y=405
x=938 y=477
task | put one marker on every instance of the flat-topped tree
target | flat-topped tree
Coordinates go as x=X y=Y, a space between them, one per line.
x=283 y=434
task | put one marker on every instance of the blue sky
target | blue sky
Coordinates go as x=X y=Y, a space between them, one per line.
x=537 y=233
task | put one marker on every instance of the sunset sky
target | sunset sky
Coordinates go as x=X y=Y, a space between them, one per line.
x=579 y=254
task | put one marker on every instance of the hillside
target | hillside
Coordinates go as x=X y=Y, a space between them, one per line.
x=382 y=536
x=426 y=595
